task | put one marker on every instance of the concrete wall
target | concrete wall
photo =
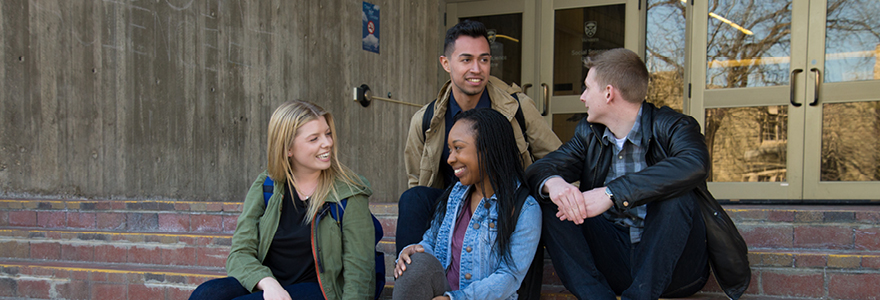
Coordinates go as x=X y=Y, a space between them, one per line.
x=170 y=99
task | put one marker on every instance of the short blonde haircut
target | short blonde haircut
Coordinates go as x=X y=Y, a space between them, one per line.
x=284 y=125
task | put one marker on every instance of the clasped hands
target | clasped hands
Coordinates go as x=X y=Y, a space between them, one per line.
x=575 y=205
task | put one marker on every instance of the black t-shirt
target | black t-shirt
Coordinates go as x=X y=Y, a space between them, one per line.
x=290 y=255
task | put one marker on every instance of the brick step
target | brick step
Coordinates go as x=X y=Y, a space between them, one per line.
x=794 y=273
x=553 y=292
x=809 y=226
x=124 y=216
x=161 y=249
x=789 y=227
x=54 y=280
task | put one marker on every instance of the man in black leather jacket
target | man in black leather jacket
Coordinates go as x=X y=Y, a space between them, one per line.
x=634 y=226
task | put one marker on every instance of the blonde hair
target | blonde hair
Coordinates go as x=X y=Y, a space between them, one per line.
x=283 y=128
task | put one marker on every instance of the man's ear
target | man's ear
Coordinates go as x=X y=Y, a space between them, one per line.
x=610 y=92
x=444 y=62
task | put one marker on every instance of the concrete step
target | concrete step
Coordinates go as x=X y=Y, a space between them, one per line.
x=159 y=249
x=56 y=280
x=123 y=216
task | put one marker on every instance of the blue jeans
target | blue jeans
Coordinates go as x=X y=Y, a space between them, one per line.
x=596 y=259
x=229 y=288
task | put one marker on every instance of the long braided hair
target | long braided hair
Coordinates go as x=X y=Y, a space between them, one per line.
x=499 y=157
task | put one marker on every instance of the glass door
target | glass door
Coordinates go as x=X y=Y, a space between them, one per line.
x=512 y=43
x=787 y=91
x=842 y=123
x=571 y=31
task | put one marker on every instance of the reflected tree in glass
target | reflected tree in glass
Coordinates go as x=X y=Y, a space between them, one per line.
x=748 y=45
x=851 y=131
x=665 y=52
x=752 y=47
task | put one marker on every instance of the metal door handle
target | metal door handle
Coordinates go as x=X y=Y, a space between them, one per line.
x=791 y=84
x=546 y=98
x=815 y=88
x=526 y=88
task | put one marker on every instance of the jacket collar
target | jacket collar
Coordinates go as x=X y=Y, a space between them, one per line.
x=499 y=92
x=645 y=122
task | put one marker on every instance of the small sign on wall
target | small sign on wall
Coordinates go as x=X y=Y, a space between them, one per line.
x=371 y=27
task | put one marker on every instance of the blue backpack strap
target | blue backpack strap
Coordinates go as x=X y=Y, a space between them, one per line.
x=268 y=190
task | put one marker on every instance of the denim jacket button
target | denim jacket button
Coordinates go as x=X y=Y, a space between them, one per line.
x=491 y=225
x=476 y=225
x=468 y=249
x=487 y=205
x=467 y=276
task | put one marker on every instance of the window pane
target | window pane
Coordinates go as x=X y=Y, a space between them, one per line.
x=664 y=57
x=505 y=42
x=749 y=43
x=747 y=144
x=850 y=139
x=580 y=32
x=852 y=43
x=564 y=125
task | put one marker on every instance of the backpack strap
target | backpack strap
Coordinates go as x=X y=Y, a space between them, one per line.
x=426 y=118
x=268 y=190
x=522 y=124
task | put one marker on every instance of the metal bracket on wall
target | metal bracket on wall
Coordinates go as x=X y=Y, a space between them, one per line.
x=364 y=96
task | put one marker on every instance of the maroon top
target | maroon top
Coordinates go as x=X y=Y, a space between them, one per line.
x=464 y=218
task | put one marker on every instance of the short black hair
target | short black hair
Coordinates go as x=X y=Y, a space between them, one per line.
x=469 y=28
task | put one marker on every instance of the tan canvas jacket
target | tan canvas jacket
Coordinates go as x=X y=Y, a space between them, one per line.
x=422 y=152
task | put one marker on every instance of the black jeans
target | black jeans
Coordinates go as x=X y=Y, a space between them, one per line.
x=229 y=288
x=415 y=210
x=596 y=259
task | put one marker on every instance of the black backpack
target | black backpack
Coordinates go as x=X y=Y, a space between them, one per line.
x=336 y=214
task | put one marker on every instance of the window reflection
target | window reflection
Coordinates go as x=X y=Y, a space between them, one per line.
x=747 y=144
x=852 y=42
x=665 y=52
x=850 y=139
x=749 y=43
x=581 y=32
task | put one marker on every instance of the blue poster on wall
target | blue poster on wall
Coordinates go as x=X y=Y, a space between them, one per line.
x=371 y=27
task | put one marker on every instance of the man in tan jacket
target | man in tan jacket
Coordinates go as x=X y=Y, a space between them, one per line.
x=466 y=58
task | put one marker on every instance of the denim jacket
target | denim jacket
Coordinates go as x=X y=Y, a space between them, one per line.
x=490 y=277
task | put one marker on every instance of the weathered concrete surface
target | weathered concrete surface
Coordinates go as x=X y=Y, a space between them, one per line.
x=170 y=99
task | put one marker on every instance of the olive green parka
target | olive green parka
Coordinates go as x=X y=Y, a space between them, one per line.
x=344 y=259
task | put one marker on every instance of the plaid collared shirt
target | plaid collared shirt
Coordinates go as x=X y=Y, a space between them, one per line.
x=628 y=158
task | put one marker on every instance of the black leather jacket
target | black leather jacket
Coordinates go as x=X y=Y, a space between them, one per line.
x=678 y=162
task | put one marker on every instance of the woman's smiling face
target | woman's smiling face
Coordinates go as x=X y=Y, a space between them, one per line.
x=463 y=155
x=311 y=147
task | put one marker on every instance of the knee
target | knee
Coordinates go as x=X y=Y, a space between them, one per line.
x=417 y=199
x=407 y=198
x=681 y=206
x=423 y=264
x=213 y=288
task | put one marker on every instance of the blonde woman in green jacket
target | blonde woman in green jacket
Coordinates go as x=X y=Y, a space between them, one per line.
x=289 y=247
